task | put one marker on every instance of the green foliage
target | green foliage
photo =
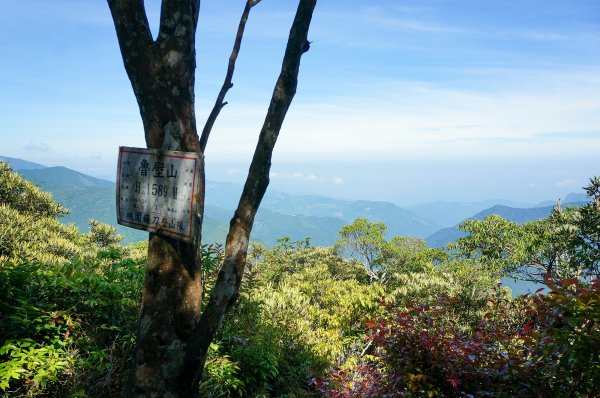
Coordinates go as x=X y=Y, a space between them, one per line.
x=104 y=235
x=581 y=229
x=494 y=241
x=301 y=309
x=569 y=343
x=292 y=257
x=462 y=280
x=28 y=228
x=365 y=242
x=37 y=364
x=565 y=244
x=409 y=254
x=395 y=319
x=220 y=378
x=76 y=320
x=69 y=301
x=39 y=239
x=23 y=196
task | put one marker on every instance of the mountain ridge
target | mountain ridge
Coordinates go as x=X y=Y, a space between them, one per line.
x=63 y=176
x=449 y=213
x=20 y=164
x=280 y=214
x=518 y=215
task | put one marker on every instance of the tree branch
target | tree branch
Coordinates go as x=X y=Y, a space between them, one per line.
x=135 y=39
x=227 y=84
x=162 y=71
x=131 y=22
x=258 y=175
x=226 y=288
x=176 y=17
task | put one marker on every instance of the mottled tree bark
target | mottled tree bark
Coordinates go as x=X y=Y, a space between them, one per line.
x=173 y=337
x=161 y=72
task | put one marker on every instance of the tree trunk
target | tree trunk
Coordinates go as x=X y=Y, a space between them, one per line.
x=173 y=337
x=161 y=72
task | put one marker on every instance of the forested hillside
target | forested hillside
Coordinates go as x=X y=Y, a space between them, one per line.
x=373 y=315
x=518 y=215
x=281 y=214
x=295 y=216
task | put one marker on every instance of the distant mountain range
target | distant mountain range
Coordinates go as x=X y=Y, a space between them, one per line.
x=518 y=215
x=570 y=198
x=447 y=214
x=62 y=176
x=280 y=214
x=20 y=164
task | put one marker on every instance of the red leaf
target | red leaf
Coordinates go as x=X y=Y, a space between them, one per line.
x=453 y=381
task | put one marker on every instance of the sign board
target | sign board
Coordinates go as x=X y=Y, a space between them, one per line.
x=156 y=191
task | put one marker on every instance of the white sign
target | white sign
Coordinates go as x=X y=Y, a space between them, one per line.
x=156 y=191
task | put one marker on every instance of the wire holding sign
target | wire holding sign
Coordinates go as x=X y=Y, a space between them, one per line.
x=156 y=191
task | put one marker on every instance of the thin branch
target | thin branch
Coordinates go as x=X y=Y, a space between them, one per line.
x=227 y=84
x=258 y=175
x=226 y=288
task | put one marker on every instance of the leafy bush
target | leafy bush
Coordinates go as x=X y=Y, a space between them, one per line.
x=30 y=231
x=569 y=344
x=300 y=310
x=565 y=245
x=69 y=301
x=26 y=198
x=220 y=378
x=542 y=346
x=73 y=321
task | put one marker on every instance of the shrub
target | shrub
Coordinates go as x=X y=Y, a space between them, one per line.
x=300 y=310
x=68 y=329
x=540 y=346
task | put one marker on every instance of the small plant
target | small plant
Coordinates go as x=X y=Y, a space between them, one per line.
x=221 y=376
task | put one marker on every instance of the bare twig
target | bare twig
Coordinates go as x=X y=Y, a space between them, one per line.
x=227 y=84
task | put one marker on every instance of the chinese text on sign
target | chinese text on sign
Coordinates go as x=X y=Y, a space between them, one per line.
x=156 y=191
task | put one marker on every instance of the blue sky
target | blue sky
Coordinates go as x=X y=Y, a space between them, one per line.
x=409 y=101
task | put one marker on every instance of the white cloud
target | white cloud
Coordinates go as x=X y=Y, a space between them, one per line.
x=37 y=147
x=311 y=178
x=568 y=182
x=233 y=171
x=408 y=118
x=371 y=118
x=378 y=27
x=381 y=19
